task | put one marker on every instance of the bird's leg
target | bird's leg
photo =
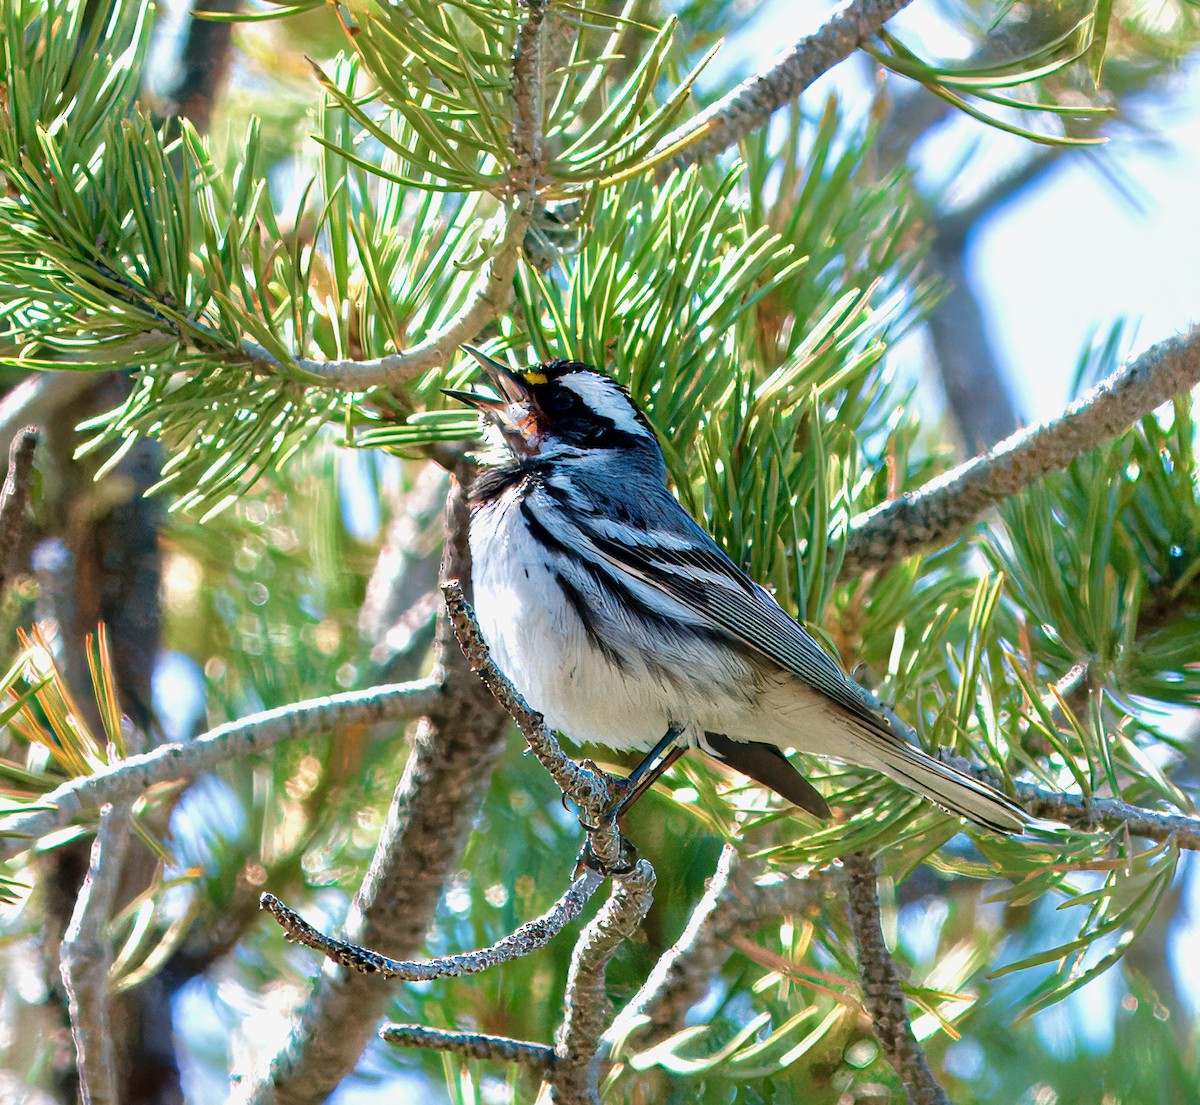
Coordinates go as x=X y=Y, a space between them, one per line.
x=651 y=769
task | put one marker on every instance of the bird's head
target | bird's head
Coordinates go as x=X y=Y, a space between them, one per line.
x=559 y=410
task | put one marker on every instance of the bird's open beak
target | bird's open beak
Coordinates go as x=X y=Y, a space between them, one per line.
x=508 y=385
x=512 y=408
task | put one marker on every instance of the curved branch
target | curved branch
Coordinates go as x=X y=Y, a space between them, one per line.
x=488 y=299
x=518 y=944
x=492 y=292
x=882 y=996
x=748 y=106
x=128 y=779
x=934 y=514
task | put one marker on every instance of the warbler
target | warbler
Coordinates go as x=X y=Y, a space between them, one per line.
x=623 y=622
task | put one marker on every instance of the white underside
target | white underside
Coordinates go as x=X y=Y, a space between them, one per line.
x=539 y=642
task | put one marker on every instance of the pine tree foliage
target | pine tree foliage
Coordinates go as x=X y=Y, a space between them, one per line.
x=749 y=303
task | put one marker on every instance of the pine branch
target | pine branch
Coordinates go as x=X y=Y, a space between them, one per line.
x=882 y=996
x=523 y=941
x=494 y=288
x=69 y=803
x=472 y=1045
x=935 y=514
x=85 y=956
x=748 y=106
x=1092 y=814
x=488 y=300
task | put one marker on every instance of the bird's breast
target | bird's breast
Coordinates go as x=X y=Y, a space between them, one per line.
x=597 y=669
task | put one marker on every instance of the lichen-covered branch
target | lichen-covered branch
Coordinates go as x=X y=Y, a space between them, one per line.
x=882 y=996
x=575 y=1077
x=748 y=106
x=85 y=956
x=473 y=1045
x=528 y=938
x=935 y=514
x=77 y=798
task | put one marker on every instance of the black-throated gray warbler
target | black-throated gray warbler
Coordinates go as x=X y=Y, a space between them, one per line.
x=621 y=620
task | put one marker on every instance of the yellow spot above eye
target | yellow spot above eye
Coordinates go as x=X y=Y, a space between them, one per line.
x=534 y=378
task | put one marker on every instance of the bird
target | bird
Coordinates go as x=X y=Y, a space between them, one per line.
x=621 y=620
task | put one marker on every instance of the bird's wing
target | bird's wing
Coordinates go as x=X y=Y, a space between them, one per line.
x=685 y=564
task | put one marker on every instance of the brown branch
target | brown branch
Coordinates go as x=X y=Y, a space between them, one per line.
x=882 y=996
x=521 y=942
x=14 y=499
x=936 y=513
x=748 y=106
x=202 y=65
x=575 y=1078
x=85 y=956
x=474 y=1045
x=128 y=779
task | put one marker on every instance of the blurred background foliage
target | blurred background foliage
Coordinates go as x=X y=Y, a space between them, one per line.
x=342 y=207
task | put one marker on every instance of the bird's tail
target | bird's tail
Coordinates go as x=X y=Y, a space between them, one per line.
x=946 y=786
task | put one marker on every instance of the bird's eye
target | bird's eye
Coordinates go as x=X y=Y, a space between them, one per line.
x=558 y=401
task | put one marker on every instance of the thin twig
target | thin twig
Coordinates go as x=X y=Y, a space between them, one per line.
x=68 y=803
x=882 y=996
x=475 y=1045
x=14 y=499
x=752 y=103
x=575 y=1079
x=518 y=944
x=580 y=784
x=936 y=513
x=85 y=957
